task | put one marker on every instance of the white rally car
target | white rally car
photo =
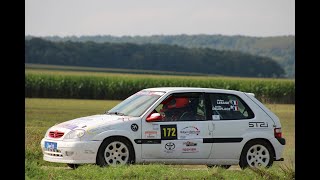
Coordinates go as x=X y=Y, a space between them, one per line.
x=173 y=125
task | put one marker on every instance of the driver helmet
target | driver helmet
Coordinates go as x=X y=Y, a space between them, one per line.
x=179 y=102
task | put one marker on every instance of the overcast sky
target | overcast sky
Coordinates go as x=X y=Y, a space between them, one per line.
x=156 y=17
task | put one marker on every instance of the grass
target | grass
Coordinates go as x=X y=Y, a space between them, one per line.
x=43 y=113
x=155 y=171
x=286 y=114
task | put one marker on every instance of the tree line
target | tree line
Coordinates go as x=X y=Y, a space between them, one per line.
x=150 y=57
x=279 y=48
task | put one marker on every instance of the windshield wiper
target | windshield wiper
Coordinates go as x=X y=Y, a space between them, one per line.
x=116 y=113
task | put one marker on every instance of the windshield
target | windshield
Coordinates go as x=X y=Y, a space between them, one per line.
x=136 y=104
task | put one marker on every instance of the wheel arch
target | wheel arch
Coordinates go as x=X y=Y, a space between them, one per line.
x=259 y=139
x=121 y=137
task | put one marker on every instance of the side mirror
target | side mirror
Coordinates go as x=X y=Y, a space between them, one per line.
x=154 y=117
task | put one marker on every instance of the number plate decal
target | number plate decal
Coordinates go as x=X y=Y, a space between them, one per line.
x=169 y=132
x=50 y=145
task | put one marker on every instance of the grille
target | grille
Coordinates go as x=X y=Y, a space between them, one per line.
x=53 y=152
x=56 y=134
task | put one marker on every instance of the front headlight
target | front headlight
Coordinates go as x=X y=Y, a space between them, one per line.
x=75 y=134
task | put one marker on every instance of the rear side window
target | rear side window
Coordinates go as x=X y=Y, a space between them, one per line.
x=229 y=107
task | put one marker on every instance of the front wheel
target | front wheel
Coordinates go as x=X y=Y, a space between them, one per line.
x=256 y=153
x=73 y=166
x=115 y=151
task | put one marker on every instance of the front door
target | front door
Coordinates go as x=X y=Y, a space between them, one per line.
x=180 y=134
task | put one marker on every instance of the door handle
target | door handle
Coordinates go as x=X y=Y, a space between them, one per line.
x=212 y=127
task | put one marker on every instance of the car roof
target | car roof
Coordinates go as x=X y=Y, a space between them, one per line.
x=191 y=89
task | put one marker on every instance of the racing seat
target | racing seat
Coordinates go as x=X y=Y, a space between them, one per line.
x=190 y=111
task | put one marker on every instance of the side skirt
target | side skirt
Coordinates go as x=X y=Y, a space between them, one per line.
x=192 y=161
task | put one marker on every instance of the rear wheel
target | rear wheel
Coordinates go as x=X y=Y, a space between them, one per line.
x=256 y=153
x=115 y=151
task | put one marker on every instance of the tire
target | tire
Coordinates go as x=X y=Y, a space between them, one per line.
x=221 y=166
x=256 y=153
x=114 y=151
x=73 y=166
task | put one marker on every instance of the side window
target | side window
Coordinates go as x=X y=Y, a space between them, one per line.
x=183 y=107
x=229 y=107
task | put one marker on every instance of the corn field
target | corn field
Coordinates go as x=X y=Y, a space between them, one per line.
x=82 y=85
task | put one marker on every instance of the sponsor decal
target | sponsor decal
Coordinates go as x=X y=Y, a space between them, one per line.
x=134 y=127
x=169 y=147
x=147 y=141
x=233 y=105
x=150 y=93
x=169 y=132
x=189 y=143
x=220 y=101
x=258 y=124
x=220 y=108
x=190 y=150
x=190 y=130
x=150 y=134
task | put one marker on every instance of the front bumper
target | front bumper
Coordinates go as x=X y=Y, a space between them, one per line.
x=76 y=152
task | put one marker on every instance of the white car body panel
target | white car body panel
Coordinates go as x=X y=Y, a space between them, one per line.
x=198 y=142
x=193 y=134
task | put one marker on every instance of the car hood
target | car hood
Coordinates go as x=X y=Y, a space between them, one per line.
x=91 y=123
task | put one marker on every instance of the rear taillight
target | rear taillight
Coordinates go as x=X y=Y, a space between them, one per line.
x=277 y=133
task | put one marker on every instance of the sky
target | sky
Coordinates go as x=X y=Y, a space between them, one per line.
x=260 y=18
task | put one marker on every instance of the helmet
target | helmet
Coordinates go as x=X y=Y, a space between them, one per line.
x=179 y=102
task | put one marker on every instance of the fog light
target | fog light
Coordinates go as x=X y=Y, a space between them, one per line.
x=69 y=153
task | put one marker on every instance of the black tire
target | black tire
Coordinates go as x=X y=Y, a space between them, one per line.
x=221 y=166
x=73 y=166
x=261 y=154
x=124 y=152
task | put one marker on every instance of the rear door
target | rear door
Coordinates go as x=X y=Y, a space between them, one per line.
x=231 y=117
